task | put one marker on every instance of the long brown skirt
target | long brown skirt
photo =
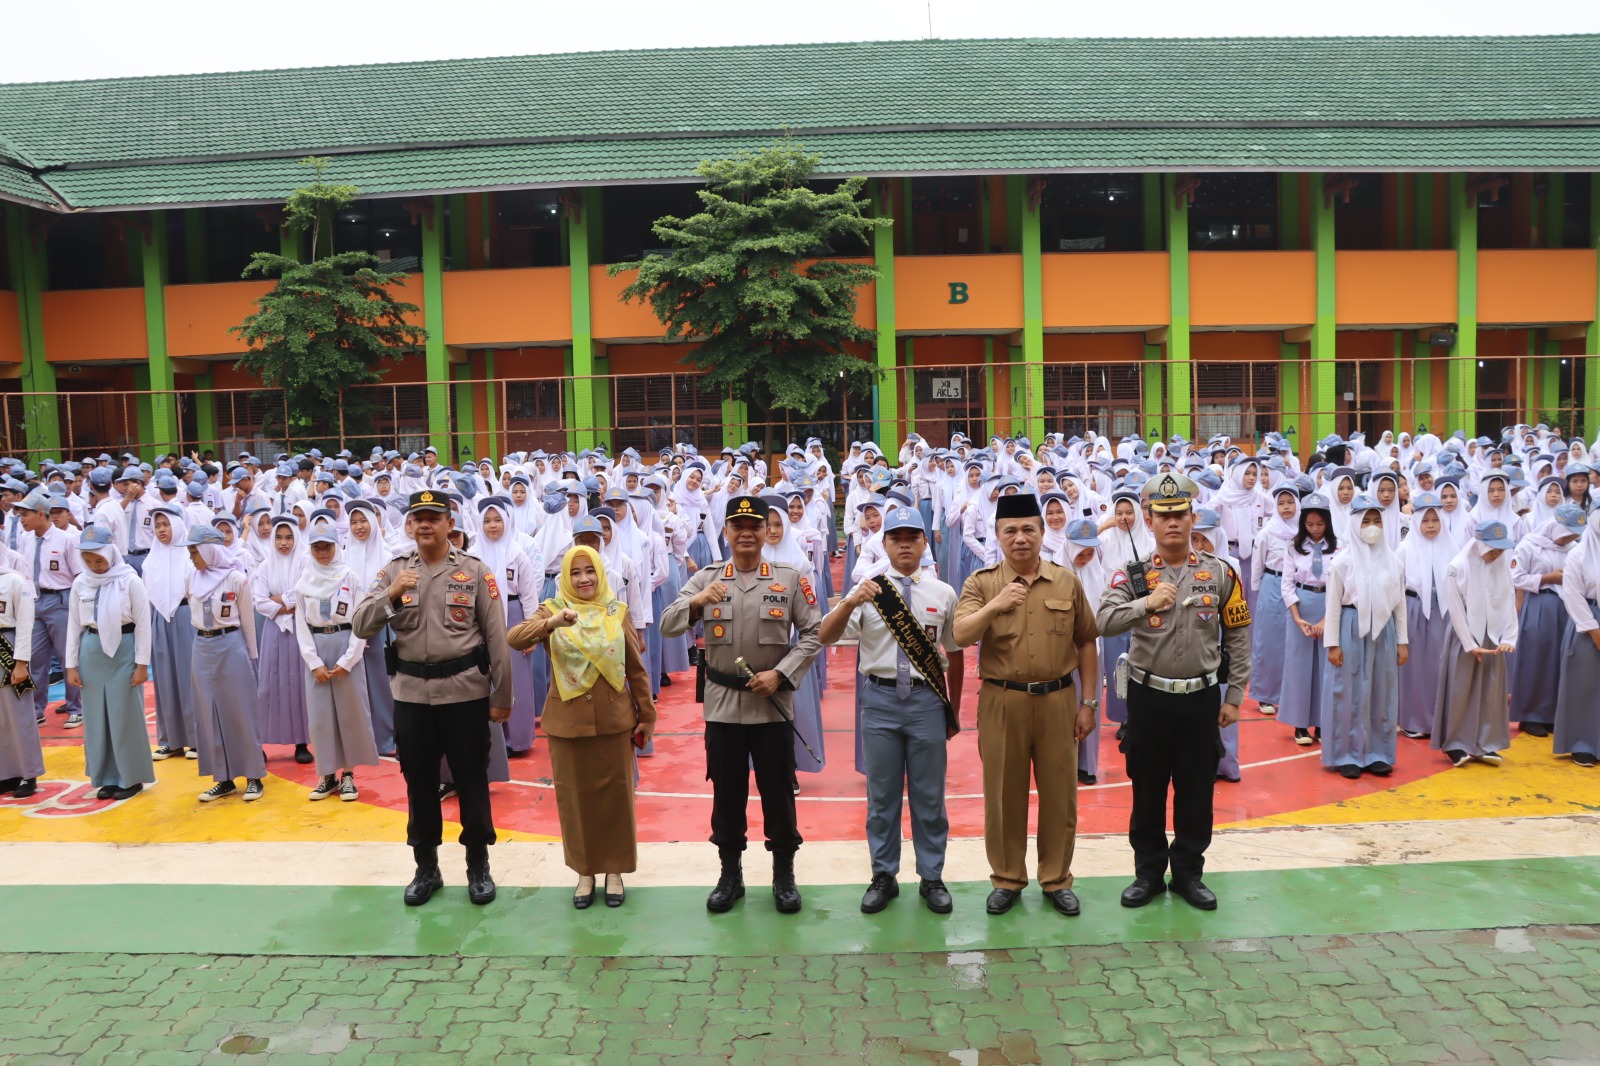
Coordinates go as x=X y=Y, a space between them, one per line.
x=594 y=797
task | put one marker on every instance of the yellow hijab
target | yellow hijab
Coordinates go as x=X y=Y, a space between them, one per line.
x=595 y=645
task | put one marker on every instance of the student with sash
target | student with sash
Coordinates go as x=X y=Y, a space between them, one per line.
x=907 y=654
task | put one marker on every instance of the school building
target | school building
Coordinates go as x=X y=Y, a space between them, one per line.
x=1179 y=236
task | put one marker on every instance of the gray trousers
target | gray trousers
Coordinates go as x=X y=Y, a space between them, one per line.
x=904 y=749
x=50 y=641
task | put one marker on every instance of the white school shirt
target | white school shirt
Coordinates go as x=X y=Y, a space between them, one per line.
x=1331 y=634
x=336 y=610
x=1529 y=564
x=111 y=515
x=16 y=613
x=59 y=561
x=1297 y=570
x=932 y=603
x=229 y=607
x=81 y=616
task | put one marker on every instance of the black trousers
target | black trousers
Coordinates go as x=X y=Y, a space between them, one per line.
x=730 y=752
x=1172 y=741
x=459 y=732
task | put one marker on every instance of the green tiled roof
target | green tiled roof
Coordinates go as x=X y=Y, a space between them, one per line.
x=879 y=107
x=18 y=184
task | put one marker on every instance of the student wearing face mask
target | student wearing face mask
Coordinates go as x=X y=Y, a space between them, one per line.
x=1366 y=641
x=1471 y=720
x=1542 y=620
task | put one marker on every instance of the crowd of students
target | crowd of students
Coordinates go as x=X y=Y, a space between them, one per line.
x=1431 y=589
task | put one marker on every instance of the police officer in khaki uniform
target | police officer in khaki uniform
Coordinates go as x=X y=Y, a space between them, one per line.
x=450 y=668
x=1194 y=610
x=1036 y=627
x=747 y=607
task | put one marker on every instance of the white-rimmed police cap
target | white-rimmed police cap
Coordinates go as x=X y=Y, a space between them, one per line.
x=96 y=539
x=903 y=518
x=1169 y=493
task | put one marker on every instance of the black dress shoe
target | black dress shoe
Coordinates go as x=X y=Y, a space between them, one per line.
x=9 y=783
x=1582 y=758
x=1350 y=770
x=106 y=792
x=882 y=889
x=730 y=886
x=583 y=900
x=129 y=792
x=427 y=881
x=785 y=893
x=1122 y=731
x=29 y=786
x=1142 y=891
x=1064 y=900
x=936 y=896
x=666 y=681
x=1378 y=769
x=302 y=754
x=1086 y=778
x=1535 y=729
x=480 y=885
x=614 y=899
x=1196 y=894
x=1001 y=899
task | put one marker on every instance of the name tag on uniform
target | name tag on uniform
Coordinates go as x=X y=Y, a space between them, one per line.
x=342 y=609
x=55 y=564
x=227 y=611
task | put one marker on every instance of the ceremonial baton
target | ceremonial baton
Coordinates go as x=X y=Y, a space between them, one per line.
x=744 y=668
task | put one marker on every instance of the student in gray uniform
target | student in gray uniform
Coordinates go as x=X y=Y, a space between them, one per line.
x=50 y=561
x=166 y=581
x=21 y=757
x=1577 y=729
x=336 y=685
x=903 y=721
x=222 y=674
x=1542 y=619
x=108 y=657
x=1472 y=719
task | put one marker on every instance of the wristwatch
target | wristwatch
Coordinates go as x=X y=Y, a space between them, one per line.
x=1093 y=705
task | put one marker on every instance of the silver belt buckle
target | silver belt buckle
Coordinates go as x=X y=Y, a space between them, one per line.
x=1038 y=688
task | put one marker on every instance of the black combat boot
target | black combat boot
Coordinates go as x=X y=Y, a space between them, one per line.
x=784 y=891
x=480 y=886
x=730 y=886
x=428 y=879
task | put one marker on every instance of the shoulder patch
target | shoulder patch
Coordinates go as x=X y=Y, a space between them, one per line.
x=379 y=580
x=494 y=589
x=807 y=591
x=1118 y=579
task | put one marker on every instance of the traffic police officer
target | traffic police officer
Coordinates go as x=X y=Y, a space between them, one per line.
x=1189 y=634
x=747 y=606
x=450 y=669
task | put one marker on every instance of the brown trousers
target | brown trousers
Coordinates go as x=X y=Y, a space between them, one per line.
x=594 y=797
x=1021 y=735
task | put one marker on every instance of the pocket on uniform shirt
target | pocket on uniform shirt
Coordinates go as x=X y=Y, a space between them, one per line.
x=773 y=631
x=1059 y=613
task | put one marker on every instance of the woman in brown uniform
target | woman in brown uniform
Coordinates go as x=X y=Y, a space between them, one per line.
x=599 y=709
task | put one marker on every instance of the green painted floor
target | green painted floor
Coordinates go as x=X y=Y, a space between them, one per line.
x=673 y=922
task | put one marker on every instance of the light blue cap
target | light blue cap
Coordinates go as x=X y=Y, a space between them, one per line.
x=1571 y=517
x=1084 y=533
x=903 y=518
x=587 y=524
x=201 y=534
x=1494 y=534
x=322 y=533
x=96 y=539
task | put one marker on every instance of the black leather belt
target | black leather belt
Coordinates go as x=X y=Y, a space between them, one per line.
x=1269 y=570
x=1311 y=588
x=437 y=671
x=1032 y=688
x=140 y=551
x=513 y=599
x=1413 y=595
x=330 y=629
x=212 y=632
x=127 y=627
x=889 y=682
x=738 y=681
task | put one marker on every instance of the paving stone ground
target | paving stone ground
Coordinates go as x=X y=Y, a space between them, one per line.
x=1508 y=996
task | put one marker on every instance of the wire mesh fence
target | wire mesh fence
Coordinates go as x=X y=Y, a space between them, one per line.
x=650 y=412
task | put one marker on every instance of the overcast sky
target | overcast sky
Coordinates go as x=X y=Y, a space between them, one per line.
x=44 y=41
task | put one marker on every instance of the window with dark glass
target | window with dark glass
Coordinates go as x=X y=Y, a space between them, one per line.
x=1576 y=206
x=1234 y=212
x=629 y=213
x=232 y=236
x=1092 y=213
x=1357 y=225
x=92 y=251
x=388 y=229
x=527 y=229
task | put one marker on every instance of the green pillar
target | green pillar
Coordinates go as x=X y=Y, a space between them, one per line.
x=911 y=389
x=735 y=423
x=163 y=395
x=1154 y=391
x=581 y=239
x=466 y=417
x=1589 y=417
x=569 y=394
x=205 y=413
x=1324 y=329
x=434 y=351
x=292 y=242
x=1422 y=382
x=888 y=389
x=1289 y=413
x=1032 y=323
x=988 y=387
x=1461 y=398
x=1180 y=381
x=41 y=425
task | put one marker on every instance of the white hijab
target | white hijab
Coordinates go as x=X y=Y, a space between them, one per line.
x=107 y=596
x=1426 y=561
x=787 y=551
x=220 y=562
x=167 y=567
x=1370 y=575
x=318 y=582
x=280 y=573
x=1487 y=592
x=366 y=557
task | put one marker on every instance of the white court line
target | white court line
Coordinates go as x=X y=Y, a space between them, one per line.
x=803 y=798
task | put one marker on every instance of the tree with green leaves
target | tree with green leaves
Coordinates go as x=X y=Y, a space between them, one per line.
x=747 y=277
x=326 y=323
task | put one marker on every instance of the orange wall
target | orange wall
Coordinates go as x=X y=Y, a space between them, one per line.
x=1252 y=288
x=950 y=351
x=649 y=358
x=1395 y=288
x=86 y=325
x=198 y=316
x=1106 y=289
x=994 y=292
x=498 y=306
x=1555 y=285
x=10 y=328
x=530 y=363
x=610 y=317
x=1235 y=347
x=1093 y=347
